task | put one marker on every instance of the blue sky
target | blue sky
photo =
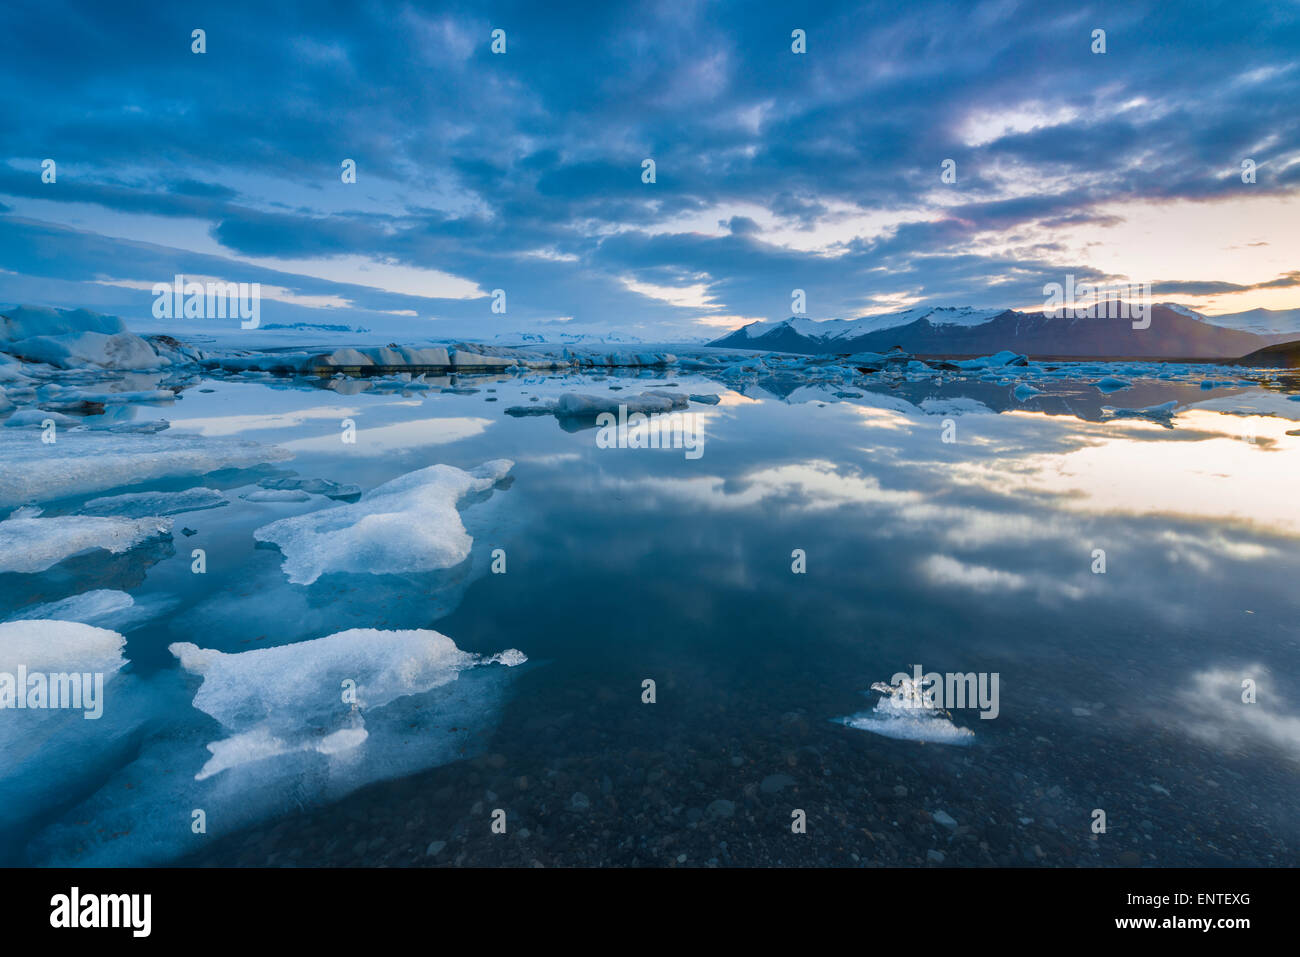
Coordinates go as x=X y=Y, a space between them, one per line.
x=523 y=170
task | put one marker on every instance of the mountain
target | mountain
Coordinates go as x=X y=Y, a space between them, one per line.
x=1172 y=334
x=1282 y=355
x=1263 y=322
x=568 y=338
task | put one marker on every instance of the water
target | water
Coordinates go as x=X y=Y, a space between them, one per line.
x=1119 y=692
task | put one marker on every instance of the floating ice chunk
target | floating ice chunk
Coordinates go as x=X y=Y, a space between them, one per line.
x=407 y=525
x=143 y=504
x=955 y=405
x=706 y=399
x=998 y=360
x=1164 y=410
x=276 y=495
x=572 y=404
x=24 y=322
x=124 y=350
x=30 y=545
x=290 y=698
x=143 y=427
x=1025 y=391
x=313 y=486
x=902 y=713
x=103 y=607
x=55 y=647
x=36 y=419
x=61 y=396
x=290 y=740
x=82 y=462
x=1111 y=384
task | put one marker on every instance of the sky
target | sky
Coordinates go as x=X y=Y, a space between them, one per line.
x=522 y=170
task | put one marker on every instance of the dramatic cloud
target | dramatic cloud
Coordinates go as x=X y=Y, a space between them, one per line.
x=523 y=171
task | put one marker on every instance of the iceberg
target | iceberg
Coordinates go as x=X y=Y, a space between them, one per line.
x=1111 y=384
x=407 y=525
x=144 y=504
x=1163 y=411
x=299 y=724
x=85 y=462
x=75 y=338
x=30 y=545
x=902 y=713
x=999 y=360
x=291 y=697
x=59 y=647
x=1025 y=391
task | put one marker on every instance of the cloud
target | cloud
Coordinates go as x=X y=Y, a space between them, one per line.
x=523 y=171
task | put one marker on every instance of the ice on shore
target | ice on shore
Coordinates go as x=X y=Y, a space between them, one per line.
x=30 y=545
x=902 y=713
x=144 y=504
x=407 y=525
x=84 y=462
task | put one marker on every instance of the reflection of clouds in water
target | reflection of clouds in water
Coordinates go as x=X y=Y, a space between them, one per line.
x=816 y=484
x=1210 y=473
x=1216 y=713
x=236 y=424
x=943 y=571
x=382 y=439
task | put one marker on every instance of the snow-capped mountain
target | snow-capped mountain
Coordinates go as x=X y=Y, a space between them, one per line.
x=842 y=330
x=567 y=338
x=1262 y=322
x=1172 y=333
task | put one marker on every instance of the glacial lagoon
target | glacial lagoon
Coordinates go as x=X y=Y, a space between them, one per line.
x=567 y=651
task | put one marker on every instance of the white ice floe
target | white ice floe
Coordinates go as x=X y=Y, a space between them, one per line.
x=1025 y=391
x=902 y=713
x=53 y=647
x=292 y=697
x=999 y=360
x=956 y=405
x=289 y=736
x=99 y=607
x=82 y=463
x=30 y=545
x=577 y=405
x=37 y=419
x=143 y=504
x=1111 y=384
x=1163 y=411
x=76 y=338
x=276 y=495
x=407 y=525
